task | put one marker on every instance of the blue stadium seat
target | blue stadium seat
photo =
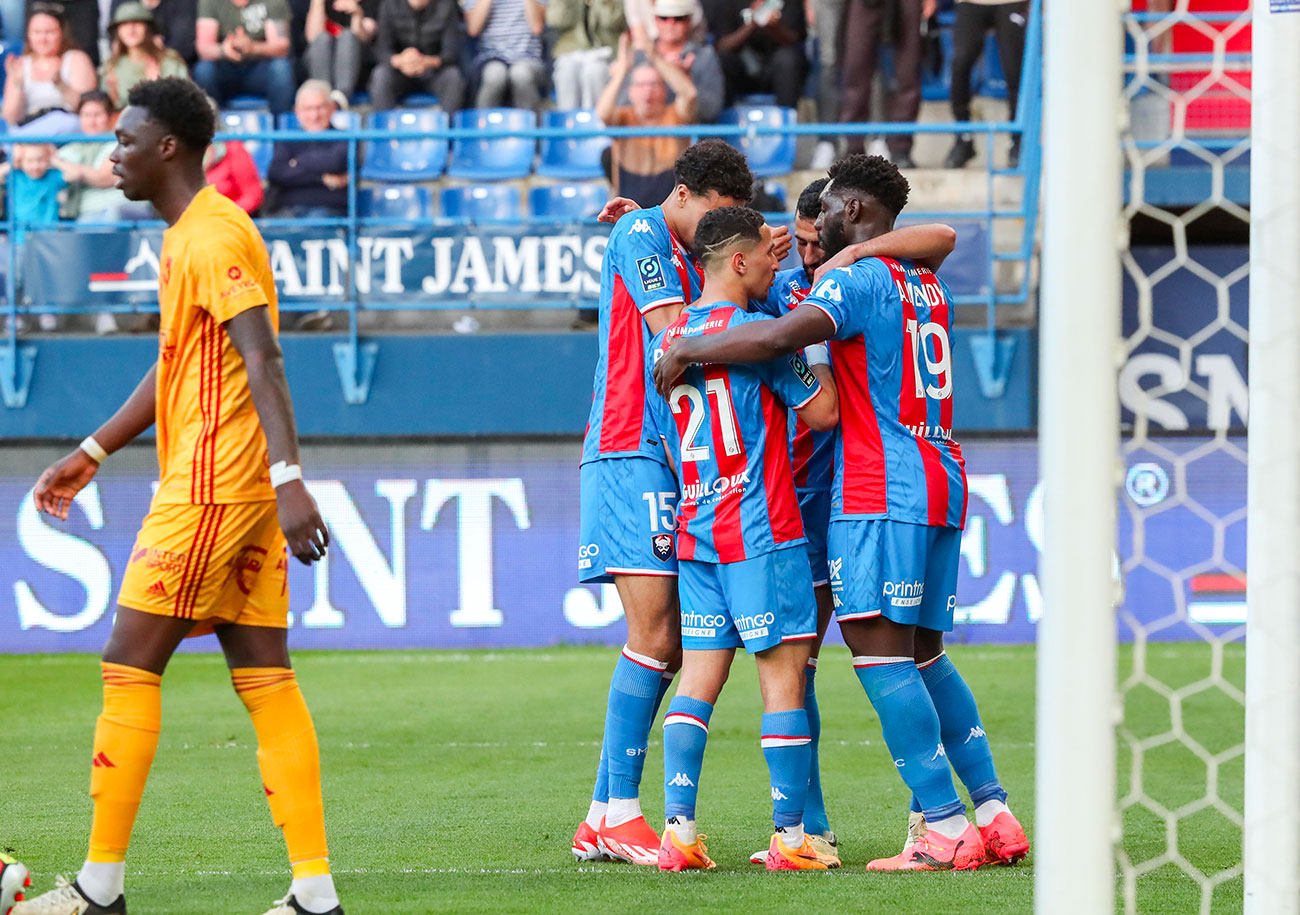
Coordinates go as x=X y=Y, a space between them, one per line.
x=342 y=120
x=768 y=155
x=575 y=159
x=245 y=103
x=481 y=204
x=405 y=160
x=966 y=271
x=398 y=202
x=569 y=201
x=496 y=159
x=251 y=122
x=419 y=100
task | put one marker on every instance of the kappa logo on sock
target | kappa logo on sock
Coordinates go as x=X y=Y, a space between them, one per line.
x=777 y=795
x=939 y=751
x=975 y=733
x=682 y=780
x=101 y=761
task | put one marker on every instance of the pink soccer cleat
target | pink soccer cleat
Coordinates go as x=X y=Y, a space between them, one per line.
x=936 y=852
x=1004 y=840
x=632 y=841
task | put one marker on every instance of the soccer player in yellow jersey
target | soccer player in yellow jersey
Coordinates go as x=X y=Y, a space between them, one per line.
x=210 y=556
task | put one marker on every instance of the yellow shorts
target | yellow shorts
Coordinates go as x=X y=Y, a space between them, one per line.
x=211 y=563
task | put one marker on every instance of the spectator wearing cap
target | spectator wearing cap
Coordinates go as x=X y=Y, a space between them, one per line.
x=175 y=22
x=587 y=33
x=418 y=50
x=866 y=27
x=644 y=28
x=308 y=179
x=509 y=60
x=340 y=35
x=44 y=84
x=137 y=54
x=243 y=48
x=760 y=46
x=675 y=43
x=641 y=168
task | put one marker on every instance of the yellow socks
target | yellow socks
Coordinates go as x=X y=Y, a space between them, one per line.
x=290 y=762
x=126 y=738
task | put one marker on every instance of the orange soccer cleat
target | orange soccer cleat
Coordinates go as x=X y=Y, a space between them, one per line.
x=780 y=857
x=936 y=852
x=677 y=856
x=632 y=841
x=586 y=844
x=1004 y=840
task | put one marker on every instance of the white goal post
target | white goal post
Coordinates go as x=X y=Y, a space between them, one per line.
x=1272 y=798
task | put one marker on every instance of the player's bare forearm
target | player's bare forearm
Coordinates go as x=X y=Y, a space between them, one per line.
x=251 y=333
x=928 y=245
x=136 y=414
x=756 y=341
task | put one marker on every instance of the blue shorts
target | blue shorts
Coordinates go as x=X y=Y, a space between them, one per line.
x=815 y=508
x=627 y=519
x=904 y=572
x=756 y=603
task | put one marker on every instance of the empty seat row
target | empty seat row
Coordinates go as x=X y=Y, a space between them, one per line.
x=505 y=157
x=407 y=202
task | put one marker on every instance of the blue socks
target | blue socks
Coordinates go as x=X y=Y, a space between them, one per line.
x=911 y=729
x=814 y=811
x=634 y=694
x=600 y=794
x=961 y=730
x=686 y=730
x=788 y=751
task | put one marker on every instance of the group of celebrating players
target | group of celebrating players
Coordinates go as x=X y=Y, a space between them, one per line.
x=741 y=481
x=765 y=450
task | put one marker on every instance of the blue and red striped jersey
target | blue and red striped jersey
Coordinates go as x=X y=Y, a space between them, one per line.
x=645 y=267
x=726 y=428
x=812 y=453
x=892 y=358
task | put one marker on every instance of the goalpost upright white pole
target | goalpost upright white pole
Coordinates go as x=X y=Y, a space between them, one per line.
x=1271 y=836
x=1078 y=429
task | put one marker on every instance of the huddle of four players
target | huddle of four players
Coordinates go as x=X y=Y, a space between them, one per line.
x=780 y=478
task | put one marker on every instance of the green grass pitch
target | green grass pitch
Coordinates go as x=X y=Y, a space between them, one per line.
x=453 y=782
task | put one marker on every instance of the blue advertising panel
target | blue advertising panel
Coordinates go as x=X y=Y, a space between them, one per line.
x=475 y=545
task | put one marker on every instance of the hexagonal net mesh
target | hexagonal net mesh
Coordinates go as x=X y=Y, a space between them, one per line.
x=1183 y=515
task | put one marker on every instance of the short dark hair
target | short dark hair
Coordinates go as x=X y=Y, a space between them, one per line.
x=810 y=199
x=180 y=107
x=95 y=97
x=721 y=229
x=873 y=175
x=714 y=165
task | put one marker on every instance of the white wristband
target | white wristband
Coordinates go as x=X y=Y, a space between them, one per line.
x=817 y=354
x=94 y=449
x=282 y=473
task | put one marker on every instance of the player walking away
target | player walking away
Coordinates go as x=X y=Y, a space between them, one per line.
x=812 y=452
x=897 y=508
x=210 y=556
x=628 y=493
x=744 y=576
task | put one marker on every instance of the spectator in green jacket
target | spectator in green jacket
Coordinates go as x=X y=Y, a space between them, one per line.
x=587 y=33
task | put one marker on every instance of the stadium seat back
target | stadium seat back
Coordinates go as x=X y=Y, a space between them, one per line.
x=405 y=160
x=966 y=271
x=486 y=203
x=572 y=159
x=499 y=158
x=568 y=201
x=251 y=122
x=768 y=155
x=398 y=202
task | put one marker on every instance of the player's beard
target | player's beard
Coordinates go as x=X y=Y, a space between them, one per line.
x=832 y=238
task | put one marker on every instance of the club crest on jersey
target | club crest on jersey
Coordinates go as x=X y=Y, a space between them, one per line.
x=662 y=544
x=651 y=272
x=802 y=371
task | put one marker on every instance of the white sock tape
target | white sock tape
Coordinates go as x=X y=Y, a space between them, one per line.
x=93 y=449
x=282 y=472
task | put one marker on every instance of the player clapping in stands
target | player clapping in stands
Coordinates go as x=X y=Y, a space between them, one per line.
x=628 y=493
x=745 y=578
x=898 y=506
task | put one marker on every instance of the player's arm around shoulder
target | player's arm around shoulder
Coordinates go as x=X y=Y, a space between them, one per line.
x=254 y=338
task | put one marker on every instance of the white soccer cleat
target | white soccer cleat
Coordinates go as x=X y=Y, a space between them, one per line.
x=66 y=899
x=14 y=878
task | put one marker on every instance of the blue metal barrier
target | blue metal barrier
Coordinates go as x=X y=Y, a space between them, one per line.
x=355 y=358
